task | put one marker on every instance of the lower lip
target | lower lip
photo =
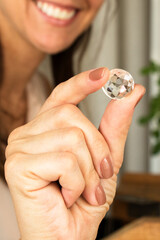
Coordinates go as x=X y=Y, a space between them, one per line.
x=55 y=21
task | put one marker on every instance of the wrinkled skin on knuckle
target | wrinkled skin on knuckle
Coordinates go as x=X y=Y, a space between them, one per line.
x=11 y=147
x=60 y=114
x=13 y=135
x=67 y=111
x=76 y=136
x=12 y=167
x=17 y=174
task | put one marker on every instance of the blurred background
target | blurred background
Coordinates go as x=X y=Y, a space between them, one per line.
x=126 y=34
x=131 y=41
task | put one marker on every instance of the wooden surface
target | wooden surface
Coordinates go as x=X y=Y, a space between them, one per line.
x=137 y=195
x=141 y=229
x=141 y=186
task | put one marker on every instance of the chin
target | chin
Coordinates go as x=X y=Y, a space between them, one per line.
x=52 y=47
x=50 y=42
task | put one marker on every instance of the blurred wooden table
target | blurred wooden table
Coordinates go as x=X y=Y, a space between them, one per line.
x=146 y=228
x=138 y=195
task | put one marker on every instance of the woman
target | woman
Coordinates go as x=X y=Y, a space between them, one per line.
x=60 y=169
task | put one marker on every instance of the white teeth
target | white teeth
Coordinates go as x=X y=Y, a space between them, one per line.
x=39 y=4
x=49 y=11
x=45 y=7
x=55 y=12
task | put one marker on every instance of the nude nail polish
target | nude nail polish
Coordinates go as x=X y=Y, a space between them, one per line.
x=97 y=74
x=106 y=168
x=100 y=195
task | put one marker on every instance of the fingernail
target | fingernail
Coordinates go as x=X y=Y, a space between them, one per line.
x=100 y=195
x=106 y=168
x=97 y=74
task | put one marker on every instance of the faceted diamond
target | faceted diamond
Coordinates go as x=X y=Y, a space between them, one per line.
x=120 y=83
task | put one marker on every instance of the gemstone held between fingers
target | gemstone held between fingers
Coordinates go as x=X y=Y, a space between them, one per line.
x=119 y=84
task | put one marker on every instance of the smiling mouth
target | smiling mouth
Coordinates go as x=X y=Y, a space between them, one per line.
x=56 y=11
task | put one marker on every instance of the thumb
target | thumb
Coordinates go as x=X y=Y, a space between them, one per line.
x=77 y=88
x=116 y=121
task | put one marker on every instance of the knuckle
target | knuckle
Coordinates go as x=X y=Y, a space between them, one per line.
x=12 y=166
x=71 y=161
x=13 y=135
x=76 y=135
x=10 y=149
x=68 y=110
x=7 y=151
x=65 y=112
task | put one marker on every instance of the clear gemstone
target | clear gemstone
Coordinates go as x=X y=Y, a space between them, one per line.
x=120 y=83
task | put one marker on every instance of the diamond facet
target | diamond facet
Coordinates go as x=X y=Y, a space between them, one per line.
x=120 y=83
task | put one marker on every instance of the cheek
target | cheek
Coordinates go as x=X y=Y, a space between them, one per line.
x=96 y=4
x=12 y=15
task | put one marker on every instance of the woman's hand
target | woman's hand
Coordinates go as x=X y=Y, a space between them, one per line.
x=59 y=166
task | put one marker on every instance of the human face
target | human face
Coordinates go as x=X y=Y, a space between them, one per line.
x=49 y=25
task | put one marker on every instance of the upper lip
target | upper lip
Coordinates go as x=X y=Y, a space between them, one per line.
x=66 y=5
